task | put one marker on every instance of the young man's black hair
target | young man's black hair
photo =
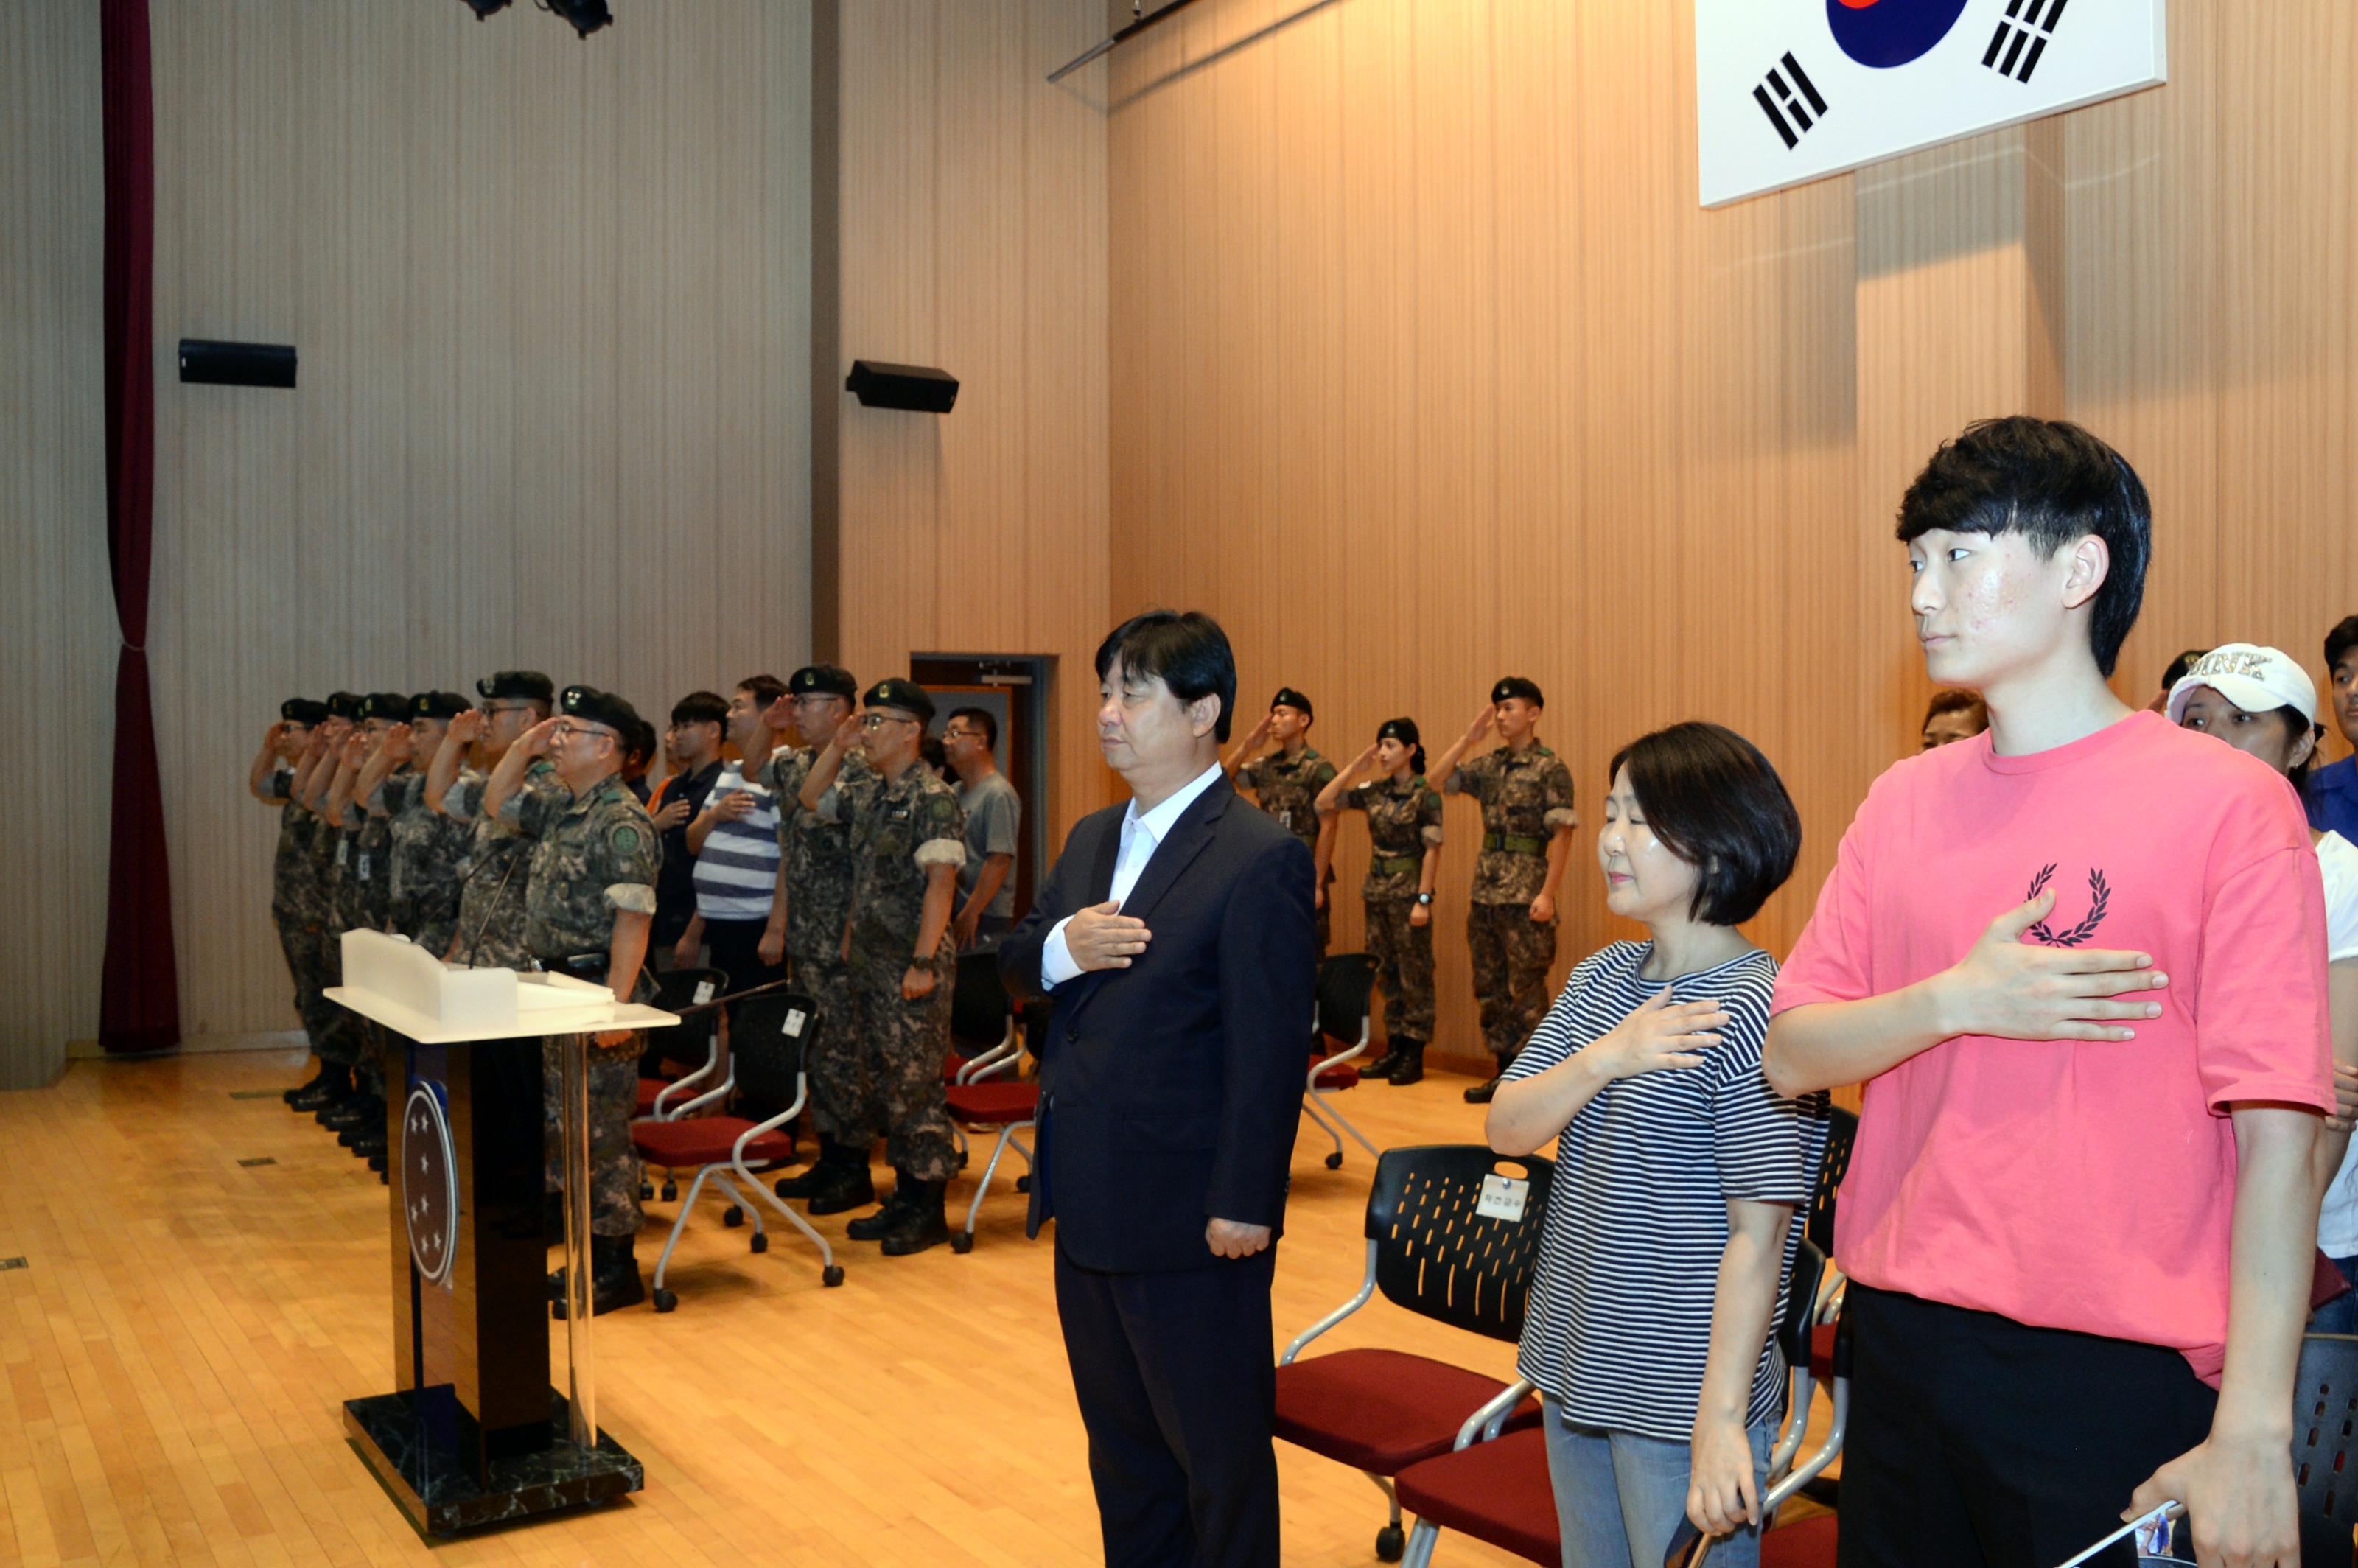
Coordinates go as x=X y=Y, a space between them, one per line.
x=767 y=689
x=1188 y=653
x=1716 y=802
x=981 y=719
x=700 y=708
x=2341 y=640
x=2052 y=482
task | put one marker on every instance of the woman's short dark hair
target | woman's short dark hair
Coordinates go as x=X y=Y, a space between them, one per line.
x=1711 y=796
x=2052 y=482
x=1186 y=651
x=1956 y=700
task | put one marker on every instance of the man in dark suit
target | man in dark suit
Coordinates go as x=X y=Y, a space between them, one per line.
x=1176 y=940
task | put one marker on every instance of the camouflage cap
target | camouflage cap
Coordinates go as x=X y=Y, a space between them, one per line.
x=1517 y=685
x=599 y=707
x=902 y=696
x=517 y=685
x=302 y=710
x=828 y=680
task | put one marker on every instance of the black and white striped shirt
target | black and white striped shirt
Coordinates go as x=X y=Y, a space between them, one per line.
x=1619 y=1322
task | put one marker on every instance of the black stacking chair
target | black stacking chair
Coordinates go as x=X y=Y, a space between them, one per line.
x=1452 y=1235
x=2325 y=1446
x=773 y=1030
x=1842 y=1131
x=689 y=993
x=1346 y=983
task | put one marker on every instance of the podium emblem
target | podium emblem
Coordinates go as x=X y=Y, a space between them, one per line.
x=429 y=1185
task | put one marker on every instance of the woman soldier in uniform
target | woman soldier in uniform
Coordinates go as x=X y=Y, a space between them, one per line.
x=1404 y=828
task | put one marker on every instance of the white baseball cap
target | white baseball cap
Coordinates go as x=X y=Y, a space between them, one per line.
x=2255 y=679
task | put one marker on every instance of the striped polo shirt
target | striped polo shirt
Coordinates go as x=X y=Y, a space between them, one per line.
x=1619 y=1321
x=737 y=872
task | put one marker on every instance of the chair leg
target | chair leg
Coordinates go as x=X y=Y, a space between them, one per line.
x=963 y=1241
x=695 y=1190
x=1344 y=1122
x=828 y=1273
x=1390 y=1541
x=1419 y=1545
x=1310 y=1104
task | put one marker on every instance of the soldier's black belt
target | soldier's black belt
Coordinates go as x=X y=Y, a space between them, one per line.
x=1396 y=865
x=1515 y=844
x=590 y=966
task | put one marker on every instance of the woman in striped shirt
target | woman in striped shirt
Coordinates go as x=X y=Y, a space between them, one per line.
x=1669 y=1235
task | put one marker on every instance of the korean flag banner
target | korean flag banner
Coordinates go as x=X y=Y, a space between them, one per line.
x=1788 y=91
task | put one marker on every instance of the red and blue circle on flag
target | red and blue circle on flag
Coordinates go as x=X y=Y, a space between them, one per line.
x=1885 y=33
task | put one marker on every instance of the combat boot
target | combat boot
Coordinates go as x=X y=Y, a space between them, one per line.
x=874 y=1226
x=361 y=1110
x=614 y=1281
x=333 y=1083
x=1381 y=1067
x=1408 y=1063
x=921 y=1223
x=834 y=1157
x=318 y=1080
x=847 y=1186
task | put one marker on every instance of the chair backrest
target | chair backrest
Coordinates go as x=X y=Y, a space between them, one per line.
x=979 y=1004
x=768 y=1036
x=1842 y=1131
x=2325 y=1444
x=1345 y=981
x=677 y=991
x=1447 y=1248
x=1793 y=1330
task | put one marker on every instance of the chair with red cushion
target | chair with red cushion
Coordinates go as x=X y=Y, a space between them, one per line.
x=985 y=1095
x=1339 y=1035
x=689 y=993
x=1452 y=1234
x=771 y=1029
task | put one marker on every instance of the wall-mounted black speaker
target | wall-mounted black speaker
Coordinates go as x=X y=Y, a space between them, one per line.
x=918 y=387
x=237 y=364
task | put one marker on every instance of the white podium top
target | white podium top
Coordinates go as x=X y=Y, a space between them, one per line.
x=410 y=991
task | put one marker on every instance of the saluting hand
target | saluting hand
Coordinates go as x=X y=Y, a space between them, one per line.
x=468 y=728
x=398 y=741
x=846 y=733
x=536 y=741
x=2018 y=990
x=1483 y=722
x=1364 y=761
x=1102 y=937
x=780 y=714
x=356 y=747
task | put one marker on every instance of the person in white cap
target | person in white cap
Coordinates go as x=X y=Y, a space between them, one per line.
x=2260 y=701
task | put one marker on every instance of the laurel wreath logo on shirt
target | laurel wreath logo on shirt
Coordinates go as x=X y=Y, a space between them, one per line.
x=2100 y=894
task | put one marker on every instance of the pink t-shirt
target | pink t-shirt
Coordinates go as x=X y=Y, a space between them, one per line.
x=2068 y=1183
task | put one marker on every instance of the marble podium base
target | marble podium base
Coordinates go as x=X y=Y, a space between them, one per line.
x=439 y=1492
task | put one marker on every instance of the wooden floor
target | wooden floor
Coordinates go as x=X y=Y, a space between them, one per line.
x=174 y=1354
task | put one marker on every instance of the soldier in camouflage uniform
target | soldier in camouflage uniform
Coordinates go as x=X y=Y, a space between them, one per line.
x=1527 y=822
x=427 y=847
x=1286 y=784
x=589 y=908
x=271 y=781
x=1404 y=830
x=907 y=844
x=336 y=1030
x=806 y=922
x=494 y=875
x=364 y=882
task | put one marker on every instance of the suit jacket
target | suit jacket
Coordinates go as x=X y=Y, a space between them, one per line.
x=1170 y=1091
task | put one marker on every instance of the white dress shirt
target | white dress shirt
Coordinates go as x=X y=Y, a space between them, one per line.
x=1142 y=834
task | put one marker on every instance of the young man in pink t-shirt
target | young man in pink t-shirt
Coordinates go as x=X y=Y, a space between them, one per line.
x=2078 y=963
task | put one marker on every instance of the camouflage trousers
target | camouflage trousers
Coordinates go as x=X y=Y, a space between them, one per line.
x=336 y=1031
x=837 y=1092
x=1403 y=956
x=901 y=1046
x=614 y=1172
x=1511 y=954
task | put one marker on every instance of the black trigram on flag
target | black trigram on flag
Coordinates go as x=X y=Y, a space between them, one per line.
x=2022 y=35
x=1789 y=99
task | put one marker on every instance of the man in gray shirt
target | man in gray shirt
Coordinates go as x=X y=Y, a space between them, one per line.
x=986 y=908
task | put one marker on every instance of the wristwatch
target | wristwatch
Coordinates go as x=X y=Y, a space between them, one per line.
x=1425 y=899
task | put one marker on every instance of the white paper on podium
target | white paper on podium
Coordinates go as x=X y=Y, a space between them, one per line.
x=400 y=985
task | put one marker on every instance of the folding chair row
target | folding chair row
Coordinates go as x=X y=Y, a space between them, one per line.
x=1339 y=1033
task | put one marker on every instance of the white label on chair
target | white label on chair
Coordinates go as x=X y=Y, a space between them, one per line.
x=703 y=992
x=1502 y=1197
x=794 y=1023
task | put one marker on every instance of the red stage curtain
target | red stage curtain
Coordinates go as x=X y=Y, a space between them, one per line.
x=139 y=995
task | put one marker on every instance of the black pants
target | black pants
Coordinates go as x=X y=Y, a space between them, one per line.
x=735 y=947
x=1978 y=1442
x=1179 y=1394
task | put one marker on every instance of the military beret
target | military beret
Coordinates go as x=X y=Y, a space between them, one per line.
x=599 y=708
x=1401 y=729
x=302 y=710
x=1288 y=697
x=700 y=708
x=1516 y=685
x=828 y=680
x=343 y=704
x=906 y=696
x=437 y=705
x=514 y=684
x=388 y=705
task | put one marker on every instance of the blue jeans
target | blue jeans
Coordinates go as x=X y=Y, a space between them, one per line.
x=2339 y=1315
x=1619 y=1496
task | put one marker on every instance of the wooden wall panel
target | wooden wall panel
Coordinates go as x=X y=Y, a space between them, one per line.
x=552 y=299
x=971 y=236
x=57 y=612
